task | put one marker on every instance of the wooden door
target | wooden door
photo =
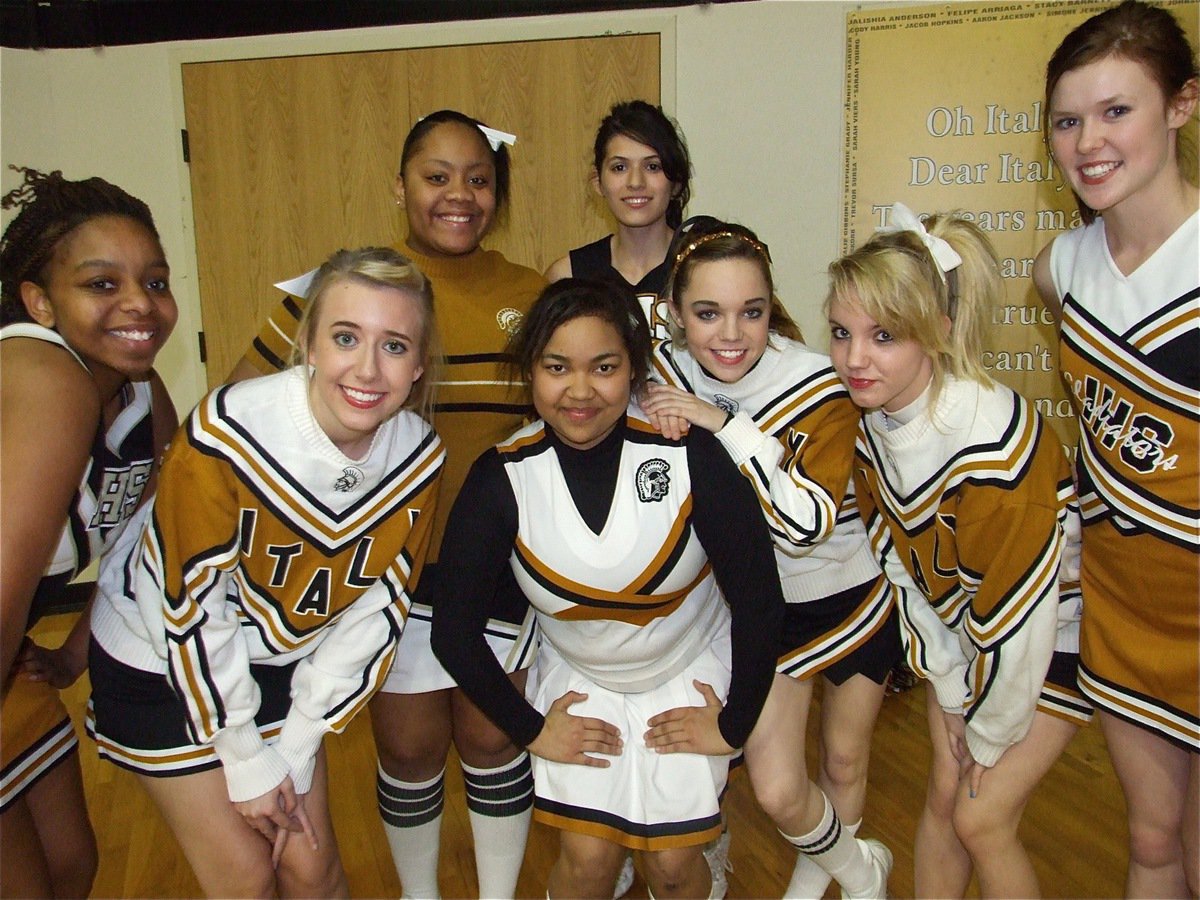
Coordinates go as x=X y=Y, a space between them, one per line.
x=294 y=157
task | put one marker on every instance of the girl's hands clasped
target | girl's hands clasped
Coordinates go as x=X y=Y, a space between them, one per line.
x=58 y=667
x=568 y=738
x=276 y=814
x=672 y=411
x=968 y=769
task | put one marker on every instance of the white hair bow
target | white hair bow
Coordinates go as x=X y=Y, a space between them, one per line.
x=298 y=286
x=945 y=257
x=495 y=137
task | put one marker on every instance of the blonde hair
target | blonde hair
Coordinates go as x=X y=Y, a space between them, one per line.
x=386 y=268
x=894 y=279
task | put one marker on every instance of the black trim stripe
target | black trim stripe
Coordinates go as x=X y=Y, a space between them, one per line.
x=636 y=829
x=262 y=350
x=507 y=409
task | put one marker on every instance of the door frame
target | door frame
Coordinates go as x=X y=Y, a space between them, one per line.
x=180 y=364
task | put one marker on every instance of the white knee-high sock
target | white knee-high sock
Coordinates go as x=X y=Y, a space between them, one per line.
x=809 y=880
x=836 y=851
x=412 y=820
x=500 y=805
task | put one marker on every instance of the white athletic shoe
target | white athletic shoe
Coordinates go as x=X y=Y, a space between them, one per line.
x=716 y=854
x=880 y=859
x=625 y=879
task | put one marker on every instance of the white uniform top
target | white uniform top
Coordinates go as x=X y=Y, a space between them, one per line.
x=641 y=600
x=969 y=505
x=792 y=434
x=114 y=478
x=266 y=544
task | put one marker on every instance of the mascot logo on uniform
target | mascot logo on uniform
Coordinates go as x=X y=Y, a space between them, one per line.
x=509 y=320
x=725 y=404
x=655 y=310
x=350 y=478
x=653 y=482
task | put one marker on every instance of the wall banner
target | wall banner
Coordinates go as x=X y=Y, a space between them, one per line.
x=943 y=112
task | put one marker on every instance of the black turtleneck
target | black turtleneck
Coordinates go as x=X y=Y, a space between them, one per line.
x=479 y=541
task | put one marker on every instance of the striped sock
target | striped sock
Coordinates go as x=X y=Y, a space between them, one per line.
x=809 y=880
x=500 y=805
x=837 y=851
x=412 y=820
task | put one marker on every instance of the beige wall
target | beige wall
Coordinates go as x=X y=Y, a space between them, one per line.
x=756 y=86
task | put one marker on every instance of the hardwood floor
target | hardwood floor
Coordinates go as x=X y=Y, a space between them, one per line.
x=1074 y=826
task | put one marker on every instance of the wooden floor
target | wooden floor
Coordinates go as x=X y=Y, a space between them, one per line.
x=1074 y=826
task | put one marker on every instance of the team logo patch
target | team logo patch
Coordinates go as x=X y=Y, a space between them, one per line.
x=350 y=478
x=728 y=404
x=655 y=308
x=653 y=482
x=509 y=320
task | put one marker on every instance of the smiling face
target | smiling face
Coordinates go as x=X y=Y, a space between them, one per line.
x=633 y=184
x=107 y=291
x=1113 y=133
x=581 y=382
x=725 y=314
x=448 y=191
x=879 y=371
x=365 y=353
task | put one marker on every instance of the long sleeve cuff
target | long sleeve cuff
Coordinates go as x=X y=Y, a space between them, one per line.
x=741 y=438
x=983 y=751
x=734 y=736
x=251 y=767
x=299 y=740
x=951 y=689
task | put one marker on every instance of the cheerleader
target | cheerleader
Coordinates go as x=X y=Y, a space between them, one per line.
x=1125 y=284
x=280 y=554
x=86 y=306
x=968 y=502
x=737 y=367
x=624 y=541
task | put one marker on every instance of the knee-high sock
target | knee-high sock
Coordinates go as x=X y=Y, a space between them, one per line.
x=412 y=820
x=500 y=805
x=836 y=851
x=809 y=880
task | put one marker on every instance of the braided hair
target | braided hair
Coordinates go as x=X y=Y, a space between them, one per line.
x=51 y=207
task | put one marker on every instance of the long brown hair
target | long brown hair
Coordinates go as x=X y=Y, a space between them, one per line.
x=707 y=239
x=1137 y=31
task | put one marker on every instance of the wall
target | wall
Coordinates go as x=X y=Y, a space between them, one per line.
x=756 y=86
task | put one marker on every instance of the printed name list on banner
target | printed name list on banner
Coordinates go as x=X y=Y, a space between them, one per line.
x=944 y=113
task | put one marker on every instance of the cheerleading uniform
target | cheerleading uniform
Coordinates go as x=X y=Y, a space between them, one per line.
x=969 y=504
x=620 y=549
x=594 y=260
x=1130 y=359
x=265 y=546
x=791 y=433
x=35 y=730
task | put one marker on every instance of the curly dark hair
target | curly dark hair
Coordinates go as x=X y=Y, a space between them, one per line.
x=51 y=208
